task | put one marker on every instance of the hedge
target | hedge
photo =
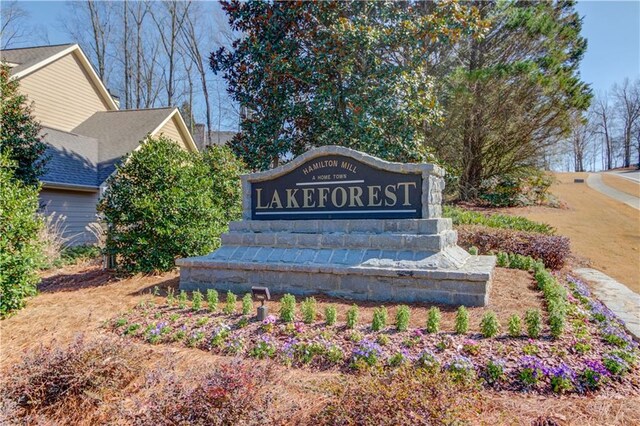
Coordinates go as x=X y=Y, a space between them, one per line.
x=552 y=250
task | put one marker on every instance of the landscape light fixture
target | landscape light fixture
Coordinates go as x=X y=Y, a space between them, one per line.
x=261 y=294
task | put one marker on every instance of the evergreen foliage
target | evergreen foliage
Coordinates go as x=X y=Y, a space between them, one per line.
x=353 y=73
x=20 y=249
x=165 y=202
x=19 y=131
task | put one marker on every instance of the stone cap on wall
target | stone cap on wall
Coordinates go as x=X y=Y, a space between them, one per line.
x=432 y=176
x=431 y=169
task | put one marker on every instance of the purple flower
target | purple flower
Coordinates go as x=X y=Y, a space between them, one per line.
x=562 y=371
x=580 y=287
x=534 y=364
x=460 y=363
x=597 y=367
x=271 y=319
x=367 y=348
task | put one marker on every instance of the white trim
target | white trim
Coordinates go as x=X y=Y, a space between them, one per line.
x=341 y=212
x=77 y=187
x=111 y=105
x=333 y=182
x=182 y=127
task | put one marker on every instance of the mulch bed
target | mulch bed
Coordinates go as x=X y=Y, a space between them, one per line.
x=513 y=292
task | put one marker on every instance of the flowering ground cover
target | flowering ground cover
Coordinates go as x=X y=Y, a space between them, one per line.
x=574 y=346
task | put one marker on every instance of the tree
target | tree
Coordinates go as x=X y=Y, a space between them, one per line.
x=19 y=131
x=627 y=104
x=190 y=37
x=581 y=136
x=12 y=25
x=96 y=39
x=348 y=73
x=20 y=249
x=170 y=22
x=510 y=95
x=163 y=203
x=603 y=118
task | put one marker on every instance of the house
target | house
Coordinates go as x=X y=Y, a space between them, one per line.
x=214 y=137
x=86 y=133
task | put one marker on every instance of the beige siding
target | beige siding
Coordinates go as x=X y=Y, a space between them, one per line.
x=79 y=209
x=63 y=93
x=170 y=130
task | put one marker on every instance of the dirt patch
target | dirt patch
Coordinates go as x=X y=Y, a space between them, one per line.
x=621 y=184
x=602 y=230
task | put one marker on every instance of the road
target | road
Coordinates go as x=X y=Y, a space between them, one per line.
x=595 y=182
x=633 y=175
x=602 y=229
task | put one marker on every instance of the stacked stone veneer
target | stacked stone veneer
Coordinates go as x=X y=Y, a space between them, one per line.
x=403 y=260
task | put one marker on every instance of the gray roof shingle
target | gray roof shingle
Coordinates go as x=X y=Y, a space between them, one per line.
x=29 y=56
x=119 y=133
x=73 y=159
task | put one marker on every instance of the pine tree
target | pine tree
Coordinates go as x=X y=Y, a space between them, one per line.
x=509 y=95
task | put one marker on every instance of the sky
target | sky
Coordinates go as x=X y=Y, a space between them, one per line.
x=612 y=29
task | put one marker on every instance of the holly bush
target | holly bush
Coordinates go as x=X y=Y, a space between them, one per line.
x=164 y=203
x=20 y=249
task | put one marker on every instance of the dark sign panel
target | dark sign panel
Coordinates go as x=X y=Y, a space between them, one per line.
x=337 y=187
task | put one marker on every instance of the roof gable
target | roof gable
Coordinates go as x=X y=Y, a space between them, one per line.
x=31 y=59
x=121 y=132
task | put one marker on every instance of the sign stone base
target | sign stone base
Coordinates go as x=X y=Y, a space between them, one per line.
x=401 y=260
x=346 y=224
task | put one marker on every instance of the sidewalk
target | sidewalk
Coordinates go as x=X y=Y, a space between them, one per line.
x=595 y=182
x=622 y=301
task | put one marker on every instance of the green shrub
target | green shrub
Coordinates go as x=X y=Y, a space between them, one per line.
x=515 y=326
x=489 y=325
x=162 y=204
x=461 y=216
x=352 y=316
x=73 y=254
x=533 y=320
x=196 y=300
x=379 y=321
x=520 y=189
x=462 y=320
x=212 y=300
x=433 y=320
x=247 y=304
x=20 y=249
x=288 y=308
x=230 y=303
x=402 y=318
x=21 y=143
x=182 y=299
x=331 y=315
x=308 y=308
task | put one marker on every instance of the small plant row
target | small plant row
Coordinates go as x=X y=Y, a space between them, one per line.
x=489 y=324
x=555 y=294
x=461 y=216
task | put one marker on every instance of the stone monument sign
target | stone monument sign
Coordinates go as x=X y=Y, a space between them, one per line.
x=343 y=223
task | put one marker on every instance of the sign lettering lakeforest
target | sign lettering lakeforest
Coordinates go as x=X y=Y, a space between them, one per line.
x=337 y=187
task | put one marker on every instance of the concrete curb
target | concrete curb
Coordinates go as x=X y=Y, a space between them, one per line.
x=616 y=296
